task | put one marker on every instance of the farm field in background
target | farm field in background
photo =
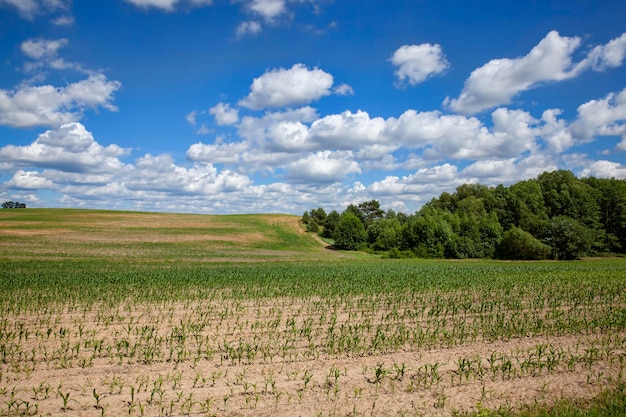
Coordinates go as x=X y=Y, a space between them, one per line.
x=140 y=314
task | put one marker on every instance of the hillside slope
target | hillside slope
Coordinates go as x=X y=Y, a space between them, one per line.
x=155 y=237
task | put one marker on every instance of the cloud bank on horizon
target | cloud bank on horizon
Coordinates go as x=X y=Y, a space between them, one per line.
x=285 y=105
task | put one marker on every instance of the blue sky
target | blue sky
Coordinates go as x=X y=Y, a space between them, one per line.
x=253 y=106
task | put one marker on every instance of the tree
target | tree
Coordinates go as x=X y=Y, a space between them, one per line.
x=568 y=238
x=330 y=224
x=520 y=245
x=612 y=204
x=384 y=234
x=13 y=204
x=350 y=233
x=319 y=215
x=369 y=212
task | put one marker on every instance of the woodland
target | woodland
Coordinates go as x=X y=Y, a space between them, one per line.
x=554 y=216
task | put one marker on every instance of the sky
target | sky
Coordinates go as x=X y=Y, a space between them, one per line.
x=281 y=106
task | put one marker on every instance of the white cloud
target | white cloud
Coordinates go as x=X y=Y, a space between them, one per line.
x=70 y=148
x=166 y=5
x=604 y=117
x=45 y=52
x=288 y=87
x=610 y=55
x=63 y=21
x=191 y=117
x=224 y=114
x=422 y=185
x=268 y=9
x=415 y=63
x=257 y=129
x=248 y=28
x=604 y=169
x=29 y=180
x=500 y=80
x=347 y=130
x=223 y=153
x=323 y=167
x=555 y=132
x=52 y=106
x=42 y=48
x=28 y=9
x=459 y=137
x=343 y=90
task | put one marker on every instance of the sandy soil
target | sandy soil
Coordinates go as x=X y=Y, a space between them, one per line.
x=272 y=357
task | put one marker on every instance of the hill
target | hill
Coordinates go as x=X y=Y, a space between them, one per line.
x=155 y=237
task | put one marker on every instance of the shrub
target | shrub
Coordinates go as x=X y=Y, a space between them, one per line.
x=518 y=244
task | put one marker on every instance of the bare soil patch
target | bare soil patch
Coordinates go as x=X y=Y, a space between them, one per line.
x=272 y=357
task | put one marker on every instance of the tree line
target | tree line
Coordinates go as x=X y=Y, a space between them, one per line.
x=554 y=216
x=13 y=204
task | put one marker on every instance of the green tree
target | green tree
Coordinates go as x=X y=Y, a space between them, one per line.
x=520 y=245
x=330 y=224
x=384 y=234
x=319 y=215
x=568 y=238
x=350 y=233
x=612 y=203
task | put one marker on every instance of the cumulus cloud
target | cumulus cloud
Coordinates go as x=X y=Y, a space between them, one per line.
x=30 y=180
x=422 y=185
x=224 y=114
x=604 y=169
x=416 y=63
x=323 y=167
x=500 y=80
x=69 y=148
x=610 y=55
x=283 y=87
x=222 y=153
x=258 y=129
x=603 y=117
x=347 y=130
x=47 y=105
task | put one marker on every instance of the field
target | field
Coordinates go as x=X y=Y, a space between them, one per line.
x=140 y=314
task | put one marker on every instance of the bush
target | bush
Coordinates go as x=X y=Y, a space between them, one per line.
x=350 y=233
x=518 y=244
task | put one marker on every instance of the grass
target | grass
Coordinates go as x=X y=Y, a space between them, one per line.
x=153 y=237
x=609 y=403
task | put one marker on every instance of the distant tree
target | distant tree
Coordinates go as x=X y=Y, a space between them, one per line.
x=312 y=226
x=612 y=202
x=330 y=224
x=350 y=233
x=520 y=245
x=319 y=215
x=369 y=212
x=384 y=234
x=13 y=204
x=305 y=217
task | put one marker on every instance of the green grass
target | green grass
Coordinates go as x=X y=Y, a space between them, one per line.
x=609 y=403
